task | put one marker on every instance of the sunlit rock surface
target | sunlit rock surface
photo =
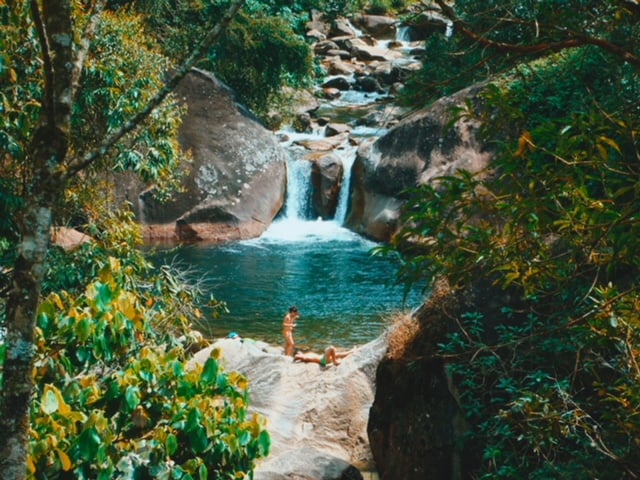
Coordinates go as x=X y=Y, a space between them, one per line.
x=235 y=184
x=317 y=417
x=419 y=149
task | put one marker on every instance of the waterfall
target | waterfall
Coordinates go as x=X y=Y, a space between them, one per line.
x=295 y=223
x=297 y=201
x=347 y=156
x=403 y=33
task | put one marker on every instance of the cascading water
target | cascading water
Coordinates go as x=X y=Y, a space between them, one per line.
x=295 y=223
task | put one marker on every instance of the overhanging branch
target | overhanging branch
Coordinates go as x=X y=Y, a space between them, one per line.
x=81 y=163
x=574 y=39
x=48 y=101
x=85 y=44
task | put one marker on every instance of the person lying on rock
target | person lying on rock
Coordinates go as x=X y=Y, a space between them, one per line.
x=330 y=355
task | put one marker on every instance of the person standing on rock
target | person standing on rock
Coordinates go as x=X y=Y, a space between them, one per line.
x=288 y=325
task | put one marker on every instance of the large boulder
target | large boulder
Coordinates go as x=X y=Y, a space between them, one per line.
x=416 y=425
x=235 y=184
x=316 y=417
x=417 y=150
x=377 y=25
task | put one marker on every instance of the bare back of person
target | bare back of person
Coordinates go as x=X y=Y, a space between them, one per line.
x=330 y=355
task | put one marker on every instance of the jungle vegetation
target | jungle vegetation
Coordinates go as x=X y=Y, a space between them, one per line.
x=550 y=385
x=550 y=381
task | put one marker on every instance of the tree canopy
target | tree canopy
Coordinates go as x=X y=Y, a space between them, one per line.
x=86 y=90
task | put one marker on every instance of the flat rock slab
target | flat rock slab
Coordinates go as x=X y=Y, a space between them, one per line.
x=317 y=416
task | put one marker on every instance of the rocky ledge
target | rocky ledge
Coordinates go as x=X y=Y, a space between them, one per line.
x=316 y=416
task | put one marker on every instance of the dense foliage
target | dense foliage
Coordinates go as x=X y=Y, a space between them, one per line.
x=263 y=51
x=124 y=69
x=114 y=395
x=550 y=383
x=117 y=397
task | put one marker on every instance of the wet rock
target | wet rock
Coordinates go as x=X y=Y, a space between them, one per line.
x=377 y=25
x=326 y=181
x=368 y=84
x=324 y=144
x=331 y=93
x=324 y=47
x=334 y=129
x=420 y=148
x=302 y=122
x=339 y=83
x=341 y=27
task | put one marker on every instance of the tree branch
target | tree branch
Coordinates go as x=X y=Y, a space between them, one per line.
x=79 y=164
x=48 y=101
x=85 y=44
x=575 y=39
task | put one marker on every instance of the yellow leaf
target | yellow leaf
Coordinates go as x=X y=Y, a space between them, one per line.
x=31 y=468
x=13 y=76
x=612 y=143
x=56 y=301
x=115 y=264
x=524 y=144
x=126 y=304
x=64 y=460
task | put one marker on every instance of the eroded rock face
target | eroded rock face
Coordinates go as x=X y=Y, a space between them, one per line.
x=414 y=152
x=317 y=417
x=236 y=183
x=326 y=180
x=416 y=426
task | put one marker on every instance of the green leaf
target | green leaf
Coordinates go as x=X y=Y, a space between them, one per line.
x=171 y=444
x=210 y=372
x=198 y=439
x=46 y=313
x=244 y=438
x=104 y=297
x=264 y=442
x=132 y=397
x=83 y=329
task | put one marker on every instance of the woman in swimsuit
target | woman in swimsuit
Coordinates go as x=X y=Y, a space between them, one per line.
x=330 y=355
x=288 y=325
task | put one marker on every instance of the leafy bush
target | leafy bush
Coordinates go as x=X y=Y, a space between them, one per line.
x=117 y=397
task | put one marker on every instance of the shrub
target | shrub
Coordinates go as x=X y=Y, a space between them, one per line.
x=117 y=397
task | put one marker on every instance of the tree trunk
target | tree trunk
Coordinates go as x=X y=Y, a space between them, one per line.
x=46 y=153
x=17 y=385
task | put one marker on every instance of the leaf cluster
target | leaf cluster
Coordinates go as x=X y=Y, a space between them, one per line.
x=124 y=68
x=262 y=51
x=116 y=397
x=489 y=38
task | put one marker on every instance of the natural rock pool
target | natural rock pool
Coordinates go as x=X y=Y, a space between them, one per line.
x=345 y=295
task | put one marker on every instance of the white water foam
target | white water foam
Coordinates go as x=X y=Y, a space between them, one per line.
x=293 y=226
